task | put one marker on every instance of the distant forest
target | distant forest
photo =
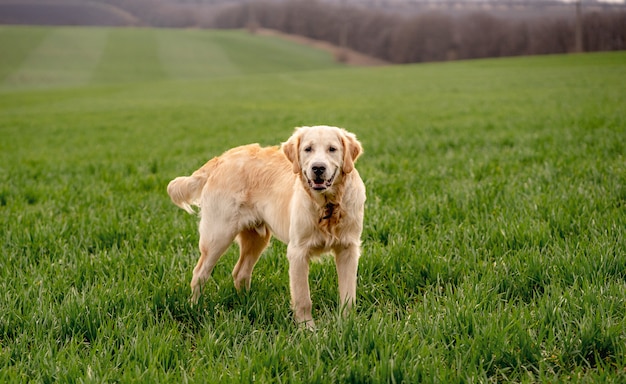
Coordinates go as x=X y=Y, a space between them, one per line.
x=397 y=37
x=434 y=35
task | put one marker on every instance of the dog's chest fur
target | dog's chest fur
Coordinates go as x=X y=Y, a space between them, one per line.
x=332 y=221
x=330 y=216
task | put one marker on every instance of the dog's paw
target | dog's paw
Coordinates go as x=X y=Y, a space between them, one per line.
x=308 y=325
x=242 y=284
x=195 y=294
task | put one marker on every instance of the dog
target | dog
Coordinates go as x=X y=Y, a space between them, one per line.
x=306 y=193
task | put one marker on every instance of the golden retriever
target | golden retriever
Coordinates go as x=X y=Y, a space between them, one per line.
x=306 y=193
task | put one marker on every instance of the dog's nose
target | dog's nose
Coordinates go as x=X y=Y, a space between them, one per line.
x=318 y=169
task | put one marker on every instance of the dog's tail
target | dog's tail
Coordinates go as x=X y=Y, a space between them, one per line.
x=186 y=191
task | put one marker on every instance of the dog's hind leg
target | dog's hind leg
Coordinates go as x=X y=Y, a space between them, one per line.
x=215 y=238
x=252 y=242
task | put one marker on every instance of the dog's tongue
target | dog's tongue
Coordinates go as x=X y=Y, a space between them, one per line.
x=318 y=184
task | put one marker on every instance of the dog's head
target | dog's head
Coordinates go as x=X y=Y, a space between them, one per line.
x=322 y=154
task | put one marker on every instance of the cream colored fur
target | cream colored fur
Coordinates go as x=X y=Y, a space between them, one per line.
x=306 y=193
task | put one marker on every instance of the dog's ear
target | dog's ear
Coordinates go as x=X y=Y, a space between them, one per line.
x=352 y=149
x=291 y=148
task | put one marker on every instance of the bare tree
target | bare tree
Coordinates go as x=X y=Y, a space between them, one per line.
x=429 y=36
x=424 y=38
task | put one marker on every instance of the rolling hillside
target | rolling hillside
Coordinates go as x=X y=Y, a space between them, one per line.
x=62 y=57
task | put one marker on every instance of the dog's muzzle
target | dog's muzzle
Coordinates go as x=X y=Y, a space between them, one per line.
x=318 y=181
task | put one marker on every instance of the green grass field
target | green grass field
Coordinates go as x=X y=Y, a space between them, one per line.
x=494 y=246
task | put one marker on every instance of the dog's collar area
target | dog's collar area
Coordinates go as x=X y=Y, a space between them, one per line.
x=328 y=211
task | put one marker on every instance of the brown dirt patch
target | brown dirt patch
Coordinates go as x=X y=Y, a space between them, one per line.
x=346 y=56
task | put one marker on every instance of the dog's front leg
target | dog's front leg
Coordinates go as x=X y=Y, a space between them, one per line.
x=299 y=285
x=347 y=261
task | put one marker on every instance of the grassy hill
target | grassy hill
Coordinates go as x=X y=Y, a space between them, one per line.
x=493 y=247
x=63 y=57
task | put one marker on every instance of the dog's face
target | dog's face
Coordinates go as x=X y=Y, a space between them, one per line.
x=322 y=154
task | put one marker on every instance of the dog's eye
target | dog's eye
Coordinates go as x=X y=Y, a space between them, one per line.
x=308 y=149
x=332 y=149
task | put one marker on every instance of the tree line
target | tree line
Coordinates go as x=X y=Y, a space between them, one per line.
x=390 y=36
x=431 y=36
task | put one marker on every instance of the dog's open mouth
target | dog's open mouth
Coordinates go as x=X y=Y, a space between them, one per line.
x=319 y=184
